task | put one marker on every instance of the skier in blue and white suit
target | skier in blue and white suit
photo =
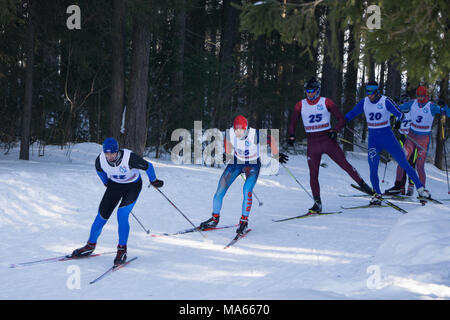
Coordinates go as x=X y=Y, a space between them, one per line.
x=119 y=172
x=377 y=109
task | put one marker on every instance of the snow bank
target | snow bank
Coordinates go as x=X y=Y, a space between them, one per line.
x=415 y=256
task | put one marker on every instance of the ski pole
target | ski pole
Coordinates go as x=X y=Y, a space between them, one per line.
x=260 y=203
x=446 y=168
x=196 y=229
x=384 y=175
x=290 y=173
x=362 y=147
x=145 y=229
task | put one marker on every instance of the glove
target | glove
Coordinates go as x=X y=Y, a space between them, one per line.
x=283 y=158
x=441 y=103
x=332 y=134
x=224 y=157
x=157 y=183
x=398 y=123
x=291 y=140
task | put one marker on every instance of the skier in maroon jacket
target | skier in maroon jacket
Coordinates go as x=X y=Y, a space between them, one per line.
x=315 y=112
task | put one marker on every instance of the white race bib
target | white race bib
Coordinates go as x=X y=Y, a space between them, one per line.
x=315 y=117
x=421 y=118
x=377 y=115
x=122 y=173
x=245 y=149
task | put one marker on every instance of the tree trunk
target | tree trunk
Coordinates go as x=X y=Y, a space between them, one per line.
x=351 y=80
x=117 y=57
x=230 y=18
x=26 y=115
x=331 y=69
x=136 y=114
x=179 y=56
x=439 y=156
x=394 y=80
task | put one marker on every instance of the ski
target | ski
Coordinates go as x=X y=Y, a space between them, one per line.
x=306 y=215
x=363 y=207
x=429 y=199
x=236 y=238
x=402 y=199
x=112 y=269
x=55 y=259
x=191 y=230
x=390 y=204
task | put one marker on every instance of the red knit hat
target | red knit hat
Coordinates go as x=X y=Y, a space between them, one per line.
x=240 y=123
x=422 y=93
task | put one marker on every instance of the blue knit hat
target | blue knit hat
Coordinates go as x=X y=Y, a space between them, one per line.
x=110 y=145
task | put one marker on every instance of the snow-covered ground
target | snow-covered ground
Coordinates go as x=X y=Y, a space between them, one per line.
x=47 y=206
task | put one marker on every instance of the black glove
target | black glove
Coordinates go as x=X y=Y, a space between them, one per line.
x=224 y=157
x=291 y=140
x=398 y=123
x=332 y=134
x=283 y=158
x=157 y=183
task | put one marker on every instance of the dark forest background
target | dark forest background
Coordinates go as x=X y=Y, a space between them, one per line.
x=137 y=70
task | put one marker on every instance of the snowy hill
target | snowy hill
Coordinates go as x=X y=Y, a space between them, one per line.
x=47 y=206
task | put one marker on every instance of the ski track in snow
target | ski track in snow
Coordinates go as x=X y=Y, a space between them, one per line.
x=48 y=205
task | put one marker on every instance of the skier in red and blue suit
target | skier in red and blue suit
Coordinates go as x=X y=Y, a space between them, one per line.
x=243 y=142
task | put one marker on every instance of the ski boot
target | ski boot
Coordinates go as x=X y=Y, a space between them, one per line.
x=396 y=189
x=121 y=255
x=376 y=200
x=317 y=207
x=83 y=251
x=211 y=222
x=243 y=225
x=410 y=191
x=424 y=193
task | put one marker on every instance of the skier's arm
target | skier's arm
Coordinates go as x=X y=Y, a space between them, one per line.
x=405 y=107
x=101 y=174
x=440 y=109
x=137 y=162
x=228 y=147
x=357 y=110
x=294 y=118
x=392 y=108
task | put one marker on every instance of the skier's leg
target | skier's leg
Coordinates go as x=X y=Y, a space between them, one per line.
x=314 y=155
x=228 y=176
x=337 y=155
x=373 y=157
x=128 y=201
x=109 y=201
x=394 y=148
x=251 y=173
